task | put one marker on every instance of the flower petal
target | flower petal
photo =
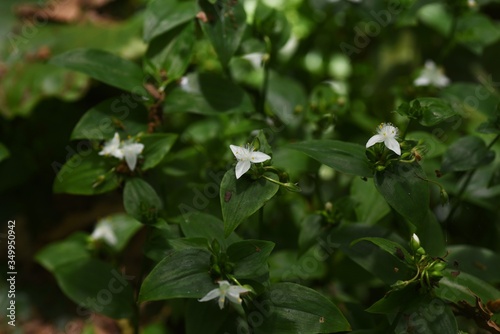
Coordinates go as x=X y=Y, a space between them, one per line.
x=393 y=145
x=242 y=167
x=238 y=151
x=375 y=139
x=422 y=81
x=211 y=295
x=111 y=147
x=131 y=151
x=222 y=299
x=259 y=157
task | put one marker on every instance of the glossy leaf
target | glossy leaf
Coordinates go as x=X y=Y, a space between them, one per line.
x=202 y=225
x=123 y=226
x=394 y=249
x=224 y=27
x=465 y=154
x=434 y=111
x=122 y=115
x=284 y=98
x=475 y=31
x=141 y=200
x=207 y=94
x=294 y=308
x=250 y=258
x=345 y=157
x=105 y=67
x=89 y=282
x=458 y=286
x=182 y=274
x=370 y=206
x=478 y=261
x=404 y=188
x=86 y=174
x=243 y=197
x=163 y=15
x=171 y=53
x=156 y=147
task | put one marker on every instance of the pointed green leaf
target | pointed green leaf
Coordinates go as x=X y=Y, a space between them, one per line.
x=370 y=206
x=243 y=197
x=172 y=52
x=103 y=66
x=476 y=31
x=396 y=250
x=182 y=274
x=345 y=157
x=156 y=147
x=202 y=225
x=478 y=261
x=404 y=188
x=434 y=111
x=293 y=308
x=163 y=15
x=225 y=25
x=86 y=174
x=113 y=115
x=141 y=200
x=250 y=258
x=465 y=154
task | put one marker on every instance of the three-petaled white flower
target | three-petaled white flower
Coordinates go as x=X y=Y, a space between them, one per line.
x=387 y=134
x=246 y=156
x=128 y=150
x=106 y=233
x=232 y=292
x=255 y=58
x=432 y=75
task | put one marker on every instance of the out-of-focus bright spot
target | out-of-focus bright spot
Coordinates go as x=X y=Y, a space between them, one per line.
x=338 y=87
x=313 y=61
x=326 y=173
x=339 y=66
x=275 y=3
x=289 y=48
x=250 y=6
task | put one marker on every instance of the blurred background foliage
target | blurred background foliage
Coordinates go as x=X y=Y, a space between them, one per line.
x=325 y=82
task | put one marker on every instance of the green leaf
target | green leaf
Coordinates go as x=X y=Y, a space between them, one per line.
x=4 y=152
x=370 y=206
x=490 y=126
x=394 y=249
x=250 y=258
x=156 y=147
x=465 y=287
x=284 y=97
x=434 y=111
x=163 y=15
x=465 y=154
x=395 y=301
x=476 y=31
x=469 y=98
x=105 y=67
x=437 y=16
x=89 y=282
x=141 y=201
x=202 y=225
x=172 y=52
x=442 y=320
x=243 y=197
x=207 y=94
x=345 y=157
x=477 y=261
x=182 y=274
x=121 y=115
x=123 y=226
x=226 y=23
x=86 y=173
x=405 y=190
x=293 y=308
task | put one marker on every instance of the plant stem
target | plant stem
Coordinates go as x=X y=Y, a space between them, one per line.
x=265 y=84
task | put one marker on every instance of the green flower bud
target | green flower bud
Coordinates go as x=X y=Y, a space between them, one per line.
x=292 y=187
x=414 y=242
x=439 y=266
x=421 y=251
x=436 y=274
x=443 y=196
x=380 y=168
x=215 y=246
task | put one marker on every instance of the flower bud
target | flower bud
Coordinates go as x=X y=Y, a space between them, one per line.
x=436 y=274
x=439 y=266
x=414 y=242
x=443 y=196
x=215 y=246
x=292 y=187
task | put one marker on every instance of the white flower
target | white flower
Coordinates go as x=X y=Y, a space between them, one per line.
x=386 y=134
x=246 y=156
x=104 y=232
x=431 y=75
x=255 y=59
x=232 y=292
x=112 y=147
x=128 y=150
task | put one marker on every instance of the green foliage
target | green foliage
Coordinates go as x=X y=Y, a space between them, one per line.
x=365 y=136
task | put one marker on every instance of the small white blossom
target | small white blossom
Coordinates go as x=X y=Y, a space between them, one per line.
x=104 y=232
x=432 y=75
x=246 y=156
x=255 y=59
x=232 y=292
x=387 y=134
x=128 y=150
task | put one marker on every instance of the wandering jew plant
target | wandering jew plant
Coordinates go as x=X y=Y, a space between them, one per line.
x=128 y=150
